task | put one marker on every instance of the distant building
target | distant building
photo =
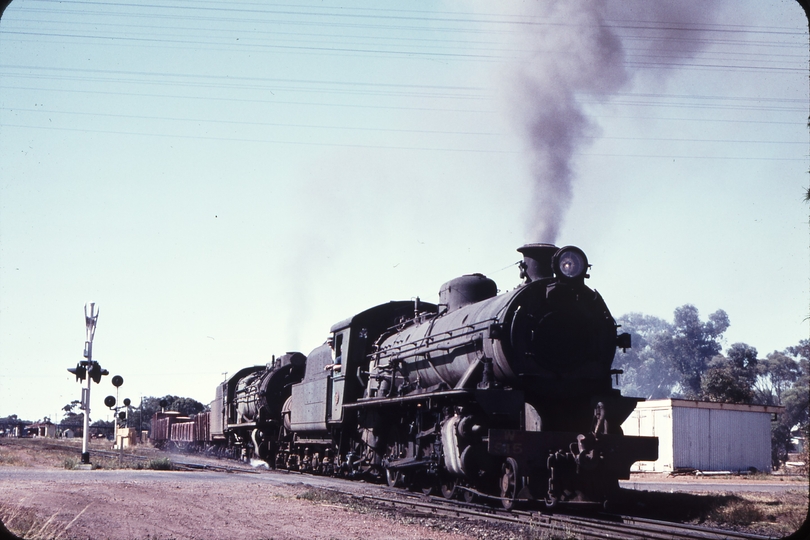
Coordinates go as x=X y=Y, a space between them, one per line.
x=126 y=438
x=704 y=436
x=41 y=429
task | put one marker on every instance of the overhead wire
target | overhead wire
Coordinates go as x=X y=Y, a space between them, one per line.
x=735 y=60
x=122 y=26
x=637 y=58
x=398 y=147
x=445 y=16
x=457 y=17
x=247 y=123
x=629 y=29
x=393 y=130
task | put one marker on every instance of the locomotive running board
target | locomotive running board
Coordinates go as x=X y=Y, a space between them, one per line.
x=493 y=401
x=377 y=401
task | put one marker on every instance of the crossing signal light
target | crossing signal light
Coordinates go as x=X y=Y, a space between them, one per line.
x=96 y=372
x=80 y=371
x=85 y=368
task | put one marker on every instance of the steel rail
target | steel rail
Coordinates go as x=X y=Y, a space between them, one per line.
x=186 y=464
x=612 y=526
x=710 y=532
x=136 y=457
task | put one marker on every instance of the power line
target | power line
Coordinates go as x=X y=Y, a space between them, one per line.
x=363 y=105
x=121 y=26
x=444 y=16
x=387 y=89
x=242 y=78
x=265 y=141
x=457 y=18
x=382 y=129
x=242 y=123
x=411 y=54
x=395 y=147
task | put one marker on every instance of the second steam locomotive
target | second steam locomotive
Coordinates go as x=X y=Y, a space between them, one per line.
x=507 y=397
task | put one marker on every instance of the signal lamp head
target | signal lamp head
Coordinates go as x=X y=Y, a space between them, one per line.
x=80 y=371
x=117 y=381
x=570 y=263
x=109 y=401
x=126 y=402
x=96 y=372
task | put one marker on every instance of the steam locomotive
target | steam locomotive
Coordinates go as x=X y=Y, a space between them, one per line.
x=507 y=397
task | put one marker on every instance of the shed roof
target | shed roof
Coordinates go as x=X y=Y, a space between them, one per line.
x=688 y=403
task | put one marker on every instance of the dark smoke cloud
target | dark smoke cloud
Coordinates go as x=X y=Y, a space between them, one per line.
x=577 y=48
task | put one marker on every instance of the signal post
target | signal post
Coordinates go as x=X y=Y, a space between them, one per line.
x=91 y=370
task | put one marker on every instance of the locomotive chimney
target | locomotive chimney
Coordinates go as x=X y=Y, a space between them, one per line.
x=537 y=261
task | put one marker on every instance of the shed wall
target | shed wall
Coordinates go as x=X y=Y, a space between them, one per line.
x=697 y=436
x=721 y=440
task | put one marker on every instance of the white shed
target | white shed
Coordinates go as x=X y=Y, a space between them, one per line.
x=704 y=436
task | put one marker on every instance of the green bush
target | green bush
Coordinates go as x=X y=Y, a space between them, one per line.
x=162 y=464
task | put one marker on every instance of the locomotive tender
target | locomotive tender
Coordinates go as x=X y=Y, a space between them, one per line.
x=507 y=397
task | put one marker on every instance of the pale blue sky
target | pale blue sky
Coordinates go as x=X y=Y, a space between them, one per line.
x=227 y=181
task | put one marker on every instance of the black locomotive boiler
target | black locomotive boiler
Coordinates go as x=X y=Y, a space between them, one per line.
x=507 y=397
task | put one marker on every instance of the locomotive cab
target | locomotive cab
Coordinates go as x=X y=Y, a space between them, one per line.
x=337 y=371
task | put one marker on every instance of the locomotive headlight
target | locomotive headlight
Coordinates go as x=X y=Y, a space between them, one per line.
x=570 y=263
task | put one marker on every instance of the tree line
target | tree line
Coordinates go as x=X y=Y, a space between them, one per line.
x=684 y=359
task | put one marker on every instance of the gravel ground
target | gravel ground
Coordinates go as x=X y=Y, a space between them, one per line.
x=39 y=498
x=181 y=505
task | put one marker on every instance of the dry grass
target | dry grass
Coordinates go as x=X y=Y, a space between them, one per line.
x=67 y=454
x=18 y=453
x=10 y=458
x=775 y=514
x=779 y=513
x=28 y=524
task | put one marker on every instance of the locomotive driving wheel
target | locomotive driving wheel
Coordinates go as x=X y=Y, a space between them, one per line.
x=509 y=483
x=393 y=477
x=447 y=486
x=427 y=484
x=468 y=496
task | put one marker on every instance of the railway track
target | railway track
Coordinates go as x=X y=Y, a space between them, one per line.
x=181 y=465
x=177 y=465
x=601 y=525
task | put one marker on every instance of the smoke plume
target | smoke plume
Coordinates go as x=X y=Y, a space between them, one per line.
x=572 y=49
